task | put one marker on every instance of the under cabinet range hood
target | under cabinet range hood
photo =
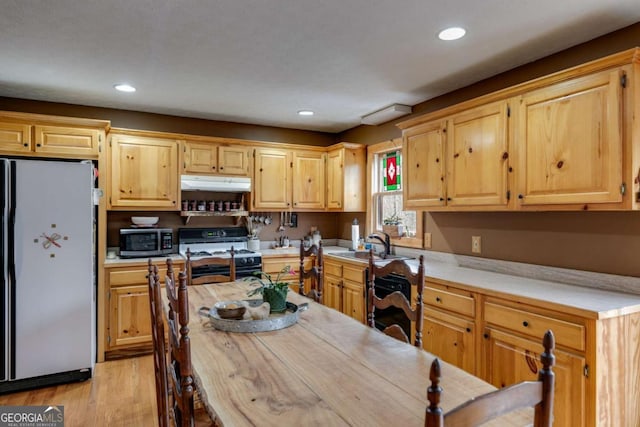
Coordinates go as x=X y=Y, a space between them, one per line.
x=236 y=184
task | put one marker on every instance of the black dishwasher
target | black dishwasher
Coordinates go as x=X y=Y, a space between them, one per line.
x=387 y=285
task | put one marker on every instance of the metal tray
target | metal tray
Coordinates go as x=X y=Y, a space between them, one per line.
x=274 y=322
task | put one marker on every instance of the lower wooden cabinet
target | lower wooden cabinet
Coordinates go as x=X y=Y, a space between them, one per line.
x=128 y=317
x=451 y=338
x=274 y=265
x=511 y=359
x=345 y=288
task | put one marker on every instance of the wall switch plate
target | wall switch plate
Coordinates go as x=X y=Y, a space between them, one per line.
x=476 y=244
x=427 y=241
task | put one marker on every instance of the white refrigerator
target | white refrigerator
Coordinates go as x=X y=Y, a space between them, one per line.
x=48 y=294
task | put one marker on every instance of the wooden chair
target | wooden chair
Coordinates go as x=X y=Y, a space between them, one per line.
x=397 y=299
x=159 y=346
x=314 y=273
x=212 y=261
x=180 y=377
x=491 y=405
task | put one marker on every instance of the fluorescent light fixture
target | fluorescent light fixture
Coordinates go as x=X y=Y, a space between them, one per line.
x=453 y=33
x=305 y=113
x=386 y=114
x=123 y=87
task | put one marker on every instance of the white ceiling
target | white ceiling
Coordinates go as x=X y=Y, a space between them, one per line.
x=260 y=61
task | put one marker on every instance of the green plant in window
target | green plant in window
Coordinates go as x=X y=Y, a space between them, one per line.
x=394 y=219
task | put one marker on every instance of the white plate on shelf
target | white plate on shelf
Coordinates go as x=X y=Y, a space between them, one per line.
x=145 y=221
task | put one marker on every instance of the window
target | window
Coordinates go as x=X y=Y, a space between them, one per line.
x=405 y=227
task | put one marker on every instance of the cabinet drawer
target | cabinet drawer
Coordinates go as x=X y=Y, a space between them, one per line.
x=333 y=269
x=449 y=301
x=275 y=266
x=535 y=325
x=136 y=276
x=353 y=274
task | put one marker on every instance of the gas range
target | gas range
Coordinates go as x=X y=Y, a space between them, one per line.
x=218 y=241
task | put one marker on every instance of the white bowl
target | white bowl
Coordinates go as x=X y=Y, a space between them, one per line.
x=144 y=220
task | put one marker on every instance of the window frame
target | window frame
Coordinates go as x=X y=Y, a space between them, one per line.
x=373 y=151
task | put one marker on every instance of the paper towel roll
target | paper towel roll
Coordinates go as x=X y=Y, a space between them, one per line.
x=355 y=236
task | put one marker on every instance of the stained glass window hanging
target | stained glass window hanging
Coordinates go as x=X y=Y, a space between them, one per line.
x=391 y=173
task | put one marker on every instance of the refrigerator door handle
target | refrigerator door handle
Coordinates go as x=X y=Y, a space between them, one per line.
x=4 y=271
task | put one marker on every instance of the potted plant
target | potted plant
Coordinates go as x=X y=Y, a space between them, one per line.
x=275 y=293
x=393 y=226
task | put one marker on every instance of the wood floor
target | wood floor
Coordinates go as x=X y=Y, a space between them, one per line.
x=121 y=393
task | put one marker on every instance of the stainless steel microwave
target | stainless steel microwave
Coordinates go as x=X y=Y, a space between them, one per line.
x=145 y=242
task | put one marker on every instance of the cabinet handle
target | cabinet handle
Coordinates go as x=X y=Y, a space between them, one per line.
x=520 y=196
x=25 y=144
x=221 y=167
x=438 y=299
x=486 y=336
x=38 y=145
x=441 y=199
x=525 y=324
x=449 y=199
x=468 y=329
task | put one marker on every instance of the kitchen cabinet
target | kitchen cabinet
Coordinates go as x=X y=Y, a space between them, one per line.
x=128 y=319
x=423 y=148
x=566 y=141
x=512 y=337
x=289 y=179
x=346 y=178
x=344 y=287
x=272 y=179
x=570 y=141
x=212 y=158
x=33 y=135
x=449 y=328
x=143 y=173
x=275 y=264
x=308 y=187
x=459 y=161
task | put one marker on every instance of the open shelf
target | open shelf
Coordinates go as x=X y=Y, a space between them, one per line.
x=234 y=213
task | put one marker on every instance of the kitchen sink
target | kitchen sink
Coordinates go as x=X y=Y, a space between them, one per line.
x=365 y=255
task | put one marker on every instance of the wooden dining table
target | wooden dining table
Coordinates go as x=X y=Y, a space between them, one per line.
x=327 y=369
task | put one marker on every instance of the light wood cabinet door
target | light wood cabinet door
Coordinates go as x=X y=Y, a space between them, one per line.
x=144 y=173
x=511 y=359
x=309 y=180
x=233 y=160
x=130 y=322
x=272 y=179
x=15 y=138
x=477 y=157
x=346 y=178
x=79 y=142
x=335 y=177
x=451 y=338
x=353 y=300
x=332 y=292
x=423 y=148
x=570 y=142
x=200 y=158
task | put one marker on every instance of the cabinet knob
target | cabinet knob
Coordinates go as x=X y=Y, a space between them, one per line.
x=468 y=329
x=449 y=198
x=486 y=336
x=438 y=299
x=520 y=196
x=25 y=144
x=221 y=167
x=38 y=145
x=437 y=159
x=525 y=324
x=441 y=199
x=417 y=165
x=213 y=167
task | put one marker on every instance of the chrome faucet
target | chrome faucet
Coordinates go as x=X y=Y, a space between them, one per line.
x=386 y=242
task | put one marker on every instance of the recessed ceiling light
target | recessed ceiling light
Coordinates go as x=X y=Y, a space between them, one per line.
x=123 y=87
x=453 y=33
x=305 y=113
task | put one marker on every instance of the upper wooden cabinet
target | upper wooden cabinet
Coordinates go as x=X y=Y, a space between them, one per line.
x=308 y=184
x=289 y=179
x=566 y=141
x=570 y=141
x=215 y=159
x=458 y=161
x=346 y=178
x=272 y=179
x=143 y=173
x=50 y=136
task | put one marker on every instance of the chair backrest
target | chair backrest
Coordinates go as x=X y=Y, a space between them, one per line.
x=180 y=376
x=314 y=253
x=228 y=262
x=538 y=394
x=159 y=347
x=397 y=299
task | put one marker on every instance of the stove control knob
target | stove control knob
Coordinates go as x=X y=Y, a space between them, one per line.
x=222 y=233
x=243 y=260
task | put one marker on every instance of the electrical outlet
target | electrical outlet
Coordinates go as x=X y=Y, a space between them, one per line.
x=476 y=244
x=427 y=240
